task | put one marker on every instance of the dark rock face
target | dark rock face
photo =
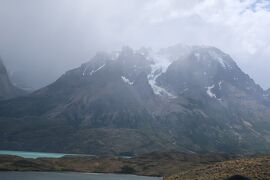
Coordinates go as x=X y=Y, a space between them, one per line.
x=7 y=90
x=181 y=98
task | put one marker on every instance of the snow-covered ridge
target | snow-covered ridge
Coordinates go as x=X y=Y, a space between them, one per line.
x=206 y=52
x=93 y=71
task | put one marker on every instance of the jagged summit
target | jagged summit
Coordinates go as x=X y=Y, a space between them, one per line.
x=204 y=60
x=207 y=68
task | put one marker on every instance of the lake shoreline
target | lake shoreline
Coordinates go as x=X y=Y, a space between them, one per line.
x=34 y=155
x=156 y=164
x=11 y=175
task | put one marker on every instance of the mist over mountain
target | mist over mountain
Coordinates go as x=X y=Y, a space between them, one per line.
x=40 y=40
x=183 y=98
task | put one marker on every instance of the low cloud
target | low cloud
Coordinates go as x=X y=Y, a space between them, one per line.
x=42 y=39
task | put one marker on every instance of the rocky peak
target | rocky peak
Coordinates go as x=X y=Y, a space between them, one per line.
x=3 y=70
x=7 y=89
x=204 y=69
x=175 y=70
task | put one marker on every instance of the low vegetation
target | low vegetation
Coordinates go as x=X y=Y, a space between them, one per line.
x=252 y=167
x=153 y=164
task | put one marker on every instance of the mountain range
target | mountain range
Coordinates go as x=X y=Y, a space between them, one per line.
x=182 y=98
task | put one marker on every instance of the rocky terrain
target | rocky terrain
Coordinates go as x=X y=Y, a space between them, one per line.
x=182 y=98
x=252 y=167
x=7 y=89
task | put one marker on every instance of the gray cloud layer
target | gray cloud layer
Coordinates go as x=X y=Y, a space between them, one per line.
x=44 y=38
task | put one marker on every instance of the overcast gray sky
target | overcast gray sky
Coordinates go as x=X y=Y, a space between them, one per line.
x=41 y=39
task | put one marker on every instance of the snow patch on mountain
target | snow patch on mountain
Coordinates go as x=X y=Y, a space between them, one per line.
x=126 y=80
x=159 y=66
x=209 y=91
x=158 y=90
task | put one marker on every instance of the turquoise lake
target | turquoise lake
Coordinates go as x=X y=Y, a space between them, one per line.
x=32 y=154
